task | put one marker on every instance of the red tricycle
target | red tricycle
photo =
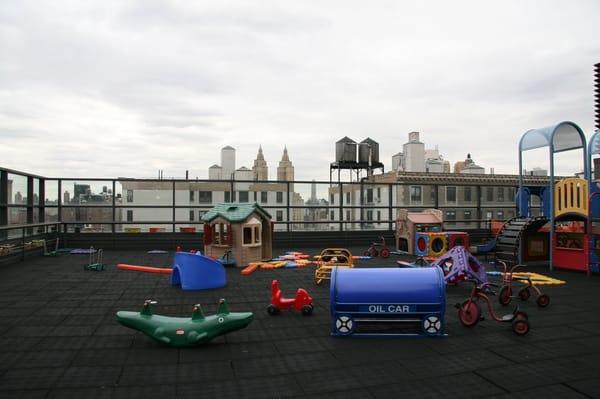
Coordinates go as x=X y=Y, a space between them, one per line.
x=506 y=292
x=303 y=302
x=469 y=312
x=372 y=251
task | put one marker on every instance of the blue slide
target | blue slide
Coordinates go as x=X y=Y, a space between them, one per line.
x=197 y=272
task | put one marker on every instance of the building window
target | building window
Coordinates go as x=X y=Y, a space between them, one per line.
x=467 y=217
x=191 y=195
x=251 y=235
x=331 y=216
x=129 y=195
x=348 y=215
x=416 y=195
x=255 y=196
x=227 y=196
x=511 y=194
x=369 y=215
x=432 y=193
x=279 y=216
x=191 y=216
x=205 y=197
x=451 y=195
x=378 y=215
x=450 y=215
x=467 y=194
x=379 y=193
x=348 y=198
x=331 y=199
x=130 y=216
x=500 y=215
x=490 y=193
x=369 y=195
x=243 y=196
x=200 y=214
x=488 y=215
x=500 y=194
x=279 y=198
x=264 y=197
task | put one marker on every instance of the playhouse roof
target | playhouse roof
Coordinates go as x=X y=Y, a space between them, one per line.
x=234 y=212
x=418 y=217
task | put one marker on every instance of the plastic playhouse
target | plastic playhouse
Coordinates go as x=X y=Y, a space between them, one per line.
x=244 y=231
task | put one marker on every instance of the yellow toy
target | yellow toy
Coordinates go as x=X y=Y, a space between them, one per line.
x=330 y=258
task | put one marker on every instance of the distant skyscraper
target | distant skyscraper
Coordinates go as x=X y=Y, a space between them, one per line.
x=18 y=198
x=285 y=170
x=414 y=153
x=66 y=197
x=313 y=191
x=228 y=161
x=260 y=169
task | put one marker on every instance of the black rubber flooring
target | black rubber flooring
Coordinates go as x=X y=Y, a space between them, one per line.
x=59 y=339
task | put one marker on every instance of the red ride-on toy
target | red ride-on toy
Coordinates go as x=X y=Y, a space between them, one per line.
x=373 y=250
x=469 y=312
x=506 y=292
x=302 y=302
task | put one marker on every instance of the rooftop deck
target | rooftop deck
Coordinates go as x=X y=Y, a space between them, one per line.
x=59 y=338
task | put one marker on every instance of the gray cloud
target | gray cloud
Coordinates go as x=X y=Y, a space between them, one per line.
x=118 y=88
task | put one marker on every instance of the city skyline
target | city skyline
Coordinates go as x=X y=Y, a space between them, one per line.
x=124 y=89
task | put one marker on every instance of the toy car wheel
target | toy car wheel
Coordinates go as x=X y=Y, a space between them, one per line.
x=520 y=326
x=469 y=313
x=543 y=301
x=272 y=310
x=307 y=310
x=432 y=325
x=385 y=253
x=504 y=297
x=344 y=325
x=524 y=294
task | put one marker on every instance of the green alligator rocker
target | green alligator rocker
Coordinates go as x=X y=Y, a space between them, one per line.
x=185 y=331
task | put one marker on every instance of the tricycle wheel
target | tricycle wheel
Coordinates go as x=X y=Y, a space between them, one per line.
x=524 y=294
x=543 y=301
x=469 y=313
x=521 y=315
x=385 y=253
x=307 y=310
x=272 y=310
x=520 y=326
x=504 y=296
x=367 y=253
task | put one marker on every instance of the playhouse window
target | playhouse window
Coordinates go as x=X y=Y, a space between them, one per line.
x=220 y=234
x=251 y=235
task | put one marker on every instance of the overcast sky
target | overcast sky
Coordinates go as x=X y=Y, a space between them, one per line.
x=124 y=88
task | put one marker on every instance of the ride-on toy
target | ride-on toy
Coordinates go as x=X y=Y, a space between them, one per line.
x=506 y=292
x=469 y=312
x=302 y=302
x=373 y=250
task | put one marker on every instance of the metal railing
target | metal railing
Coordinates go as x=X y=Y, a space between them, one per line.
x=26 y=199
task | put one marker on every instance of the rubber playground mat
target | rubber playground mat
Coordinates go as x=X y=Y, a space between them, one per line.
x=59 y=339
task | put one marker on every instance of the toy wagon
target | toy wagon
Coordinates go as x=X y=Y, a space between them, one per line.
x=387 y=301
